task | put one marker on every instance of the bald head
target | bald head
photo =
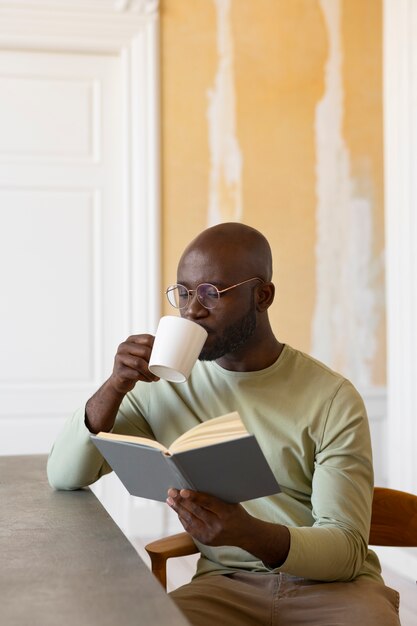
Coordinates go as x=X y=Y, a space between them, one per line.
x=240 y=248
x=231 y=257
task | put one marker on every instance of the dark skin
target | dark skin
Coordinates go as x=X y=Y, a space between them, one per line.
x=223 y=255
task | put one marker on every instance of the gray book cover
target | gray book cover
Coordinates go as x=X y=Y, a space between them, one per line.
x=234 y=470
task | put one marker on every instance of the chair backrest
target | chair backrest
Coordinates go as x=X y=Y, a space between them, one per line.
x=394 y=523
x=394 y=518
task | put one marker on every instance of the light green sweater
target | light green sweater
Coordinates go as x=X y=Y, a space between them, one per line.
x=312 y=426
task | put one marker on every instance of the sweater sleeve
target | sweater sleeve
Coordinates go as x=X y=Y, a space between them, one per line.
x=335 y=547
x=74 y=461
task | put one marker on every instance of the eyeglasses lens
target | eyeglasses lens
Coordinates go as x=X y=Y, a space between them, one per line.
x=179 y=296
x=208 y=295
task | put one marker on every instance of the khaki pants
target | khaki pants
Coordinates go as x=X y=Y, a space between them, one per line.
x=251 y=599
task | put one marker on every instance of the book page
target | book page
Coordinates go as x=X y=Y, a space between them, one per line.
x=216 y=430
x=144 y=441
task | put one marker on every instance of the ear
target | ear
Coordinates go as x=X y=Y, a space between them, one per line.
x=265 y=295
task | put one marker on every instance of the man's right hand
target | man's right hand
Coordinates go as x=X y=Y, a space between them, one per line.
x=131 y=363
x=130 y=366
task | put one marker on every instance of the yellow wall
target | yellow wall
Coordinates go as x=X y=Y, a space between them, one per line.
x=272 y=115
x=362 y=35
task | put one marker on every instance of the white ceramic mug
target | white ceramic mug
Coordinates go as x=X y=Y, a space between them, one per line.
x=178 y=343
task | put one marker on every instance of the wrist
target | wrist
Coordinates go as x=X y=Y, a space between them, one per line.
x=269 y=542
x=117 y=388
x=101 y=409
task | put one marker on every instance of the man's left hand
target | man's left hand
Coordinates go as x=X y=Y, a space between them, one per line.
x=208 y=519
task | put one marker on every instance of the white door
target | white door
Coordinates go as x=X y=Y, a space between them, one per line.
x=79 y=236
x=62 y=249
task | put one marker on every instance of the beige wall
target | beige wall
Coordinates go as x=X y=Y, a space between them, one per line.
x=362 y=127
x=272 y=115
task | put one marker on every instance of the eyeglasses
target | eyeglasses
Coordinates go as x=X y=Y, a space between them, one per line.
x=207 y=294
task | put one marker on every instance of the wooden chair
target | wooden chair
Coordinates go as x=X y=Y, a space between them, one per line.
x=393 y=523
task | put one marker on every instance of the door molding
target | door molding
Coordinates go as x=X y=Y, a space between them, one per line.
x=96 y=26
x=400 y=150
x=129 y=29
x=400 y=135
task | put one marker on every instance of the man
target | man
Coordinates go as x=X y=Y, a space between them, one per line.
x=301 y=556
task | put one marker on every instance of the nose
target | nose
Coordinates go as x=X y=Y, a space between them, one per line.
x=194 y=309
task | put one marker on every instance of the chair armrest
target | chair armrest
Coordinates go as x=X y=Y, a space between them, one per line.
x=394 y=518
x=168 y=547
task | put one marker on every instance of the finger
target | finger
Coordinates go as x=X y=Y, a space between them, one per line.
x=174 y=496
x=138 y=365
x=143 y=339
x=135 y=354
x=134 y=349
x=203 y=500
x=185 y=499
x=191 y=523
x=184 y=516
x=134 y=374
x=138 y=345
x=189 y=510
x=175 y=501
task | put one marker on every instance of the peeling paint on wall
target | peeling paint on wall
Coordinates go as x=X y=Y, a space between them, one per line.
x=225 y=188
x=344 y=327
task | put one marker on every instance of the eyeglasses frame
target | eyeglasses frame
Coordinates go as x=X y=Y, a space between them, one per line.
x=194 y=291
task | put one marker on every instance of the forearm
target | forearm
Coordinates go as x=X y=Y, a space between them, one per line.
x=101 y=410
x=130 y=366
x=213 y=522
x=318 y=553
x=325 y=553
x=269 y=542
x=74 y=461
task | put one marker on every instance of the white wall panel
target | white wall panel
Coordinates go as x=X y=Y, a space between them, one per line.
x=78 y=119
x=47 y=308
x=376 y=406
x=29 y=434
x=79 y=219
x=400 y=151
x=60 y=123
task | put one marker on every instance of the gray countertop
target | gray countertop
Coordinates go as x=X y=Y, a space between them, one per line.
x=63 y=561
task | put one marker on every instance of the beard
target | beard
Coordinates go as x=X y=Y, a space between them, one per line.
x=232 y=338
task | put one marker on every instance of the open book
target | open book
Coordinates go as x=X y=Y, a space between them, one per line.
x=218 y=456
